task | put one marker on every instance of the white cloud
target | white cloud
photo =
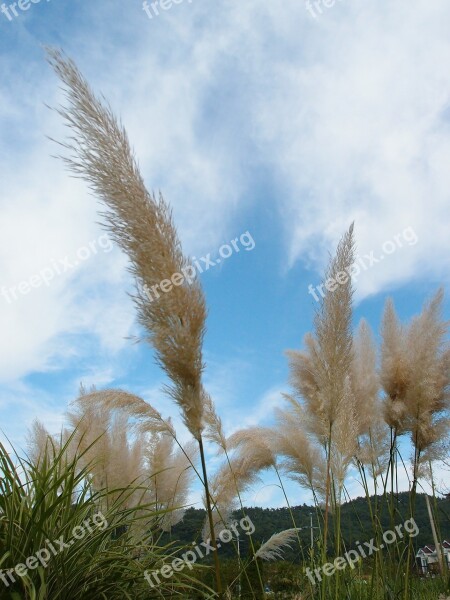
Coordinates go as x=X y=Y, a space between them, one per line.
x=361 y=131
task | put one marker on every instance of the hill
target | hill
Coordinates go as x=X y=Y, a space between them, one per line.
x=355 y=522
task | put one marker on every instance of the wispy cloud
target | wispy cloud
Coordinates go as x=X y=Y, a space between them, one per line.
x=362 y=133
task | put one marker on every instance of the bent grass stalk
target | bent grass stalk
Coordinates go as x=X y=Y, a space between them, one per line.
x=100 y=153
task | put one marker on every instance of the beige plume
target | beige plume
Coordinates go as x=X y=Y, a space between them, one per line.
x=100 y=435
x=318 y=374
x=213 y=423
x=255 y=444
x=232 y=479
x=149 y=420
x=273 y=548
x=302 y=459
x=427 y=394
x=40 y=443
x=394 y=369
x=142 y=225
x=365 y=382
x=170 y=475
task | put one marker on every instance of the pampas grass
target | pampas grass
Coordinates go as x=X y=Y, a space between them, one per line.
x=213 y=424
x=394 y=369
x=415 y=376
x=54 y=500
x=335 y=415
x=423 y=386
x=273 y=548
x=254 y=443
x=229 y=482
x=302 y=460
x=427 y=395
x=142 y=226
x=151 y=459
x=113 y=459
x=41 y=445
x=320 y=375
x=170 y=473
x=147 y=418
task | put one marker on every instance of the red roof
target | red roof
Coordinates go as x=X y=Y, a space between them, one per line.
x=431 y=548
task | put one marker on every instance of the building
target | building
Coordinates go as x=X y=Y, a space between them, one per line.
x=427 y=559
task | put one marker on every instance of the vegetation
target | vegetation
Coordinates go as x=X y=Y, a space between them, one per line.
x=356 y=524
x=62 y=539
x=351 y=408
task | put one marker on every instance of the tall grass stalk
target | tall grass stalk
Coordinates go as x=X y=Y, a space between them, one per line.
x=99 y=152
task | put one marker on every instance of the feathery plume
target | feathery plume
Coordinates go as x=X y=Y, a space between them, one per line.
x=394 y=368
x=302 y=461
x=373 y=433
x=427 y=393
x=255 y=444
x=100 y=153
x=149 y=420
x=318 y=374
x=364 y=378
x=40 y=443
x=100 y=434
x=232 y=479
x=273 y=548
x=416 y=374
x=213 y=423
x=170 y=473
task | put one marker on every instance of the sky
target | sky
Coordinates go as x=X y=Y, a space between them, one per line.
x=275 y=124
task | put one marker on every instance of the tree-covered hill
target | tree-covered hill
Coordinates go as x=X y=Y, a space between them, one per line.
x=356 y=524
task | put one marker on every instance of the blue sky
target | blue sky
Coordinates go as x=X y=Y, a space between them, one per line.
x=250 y=117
